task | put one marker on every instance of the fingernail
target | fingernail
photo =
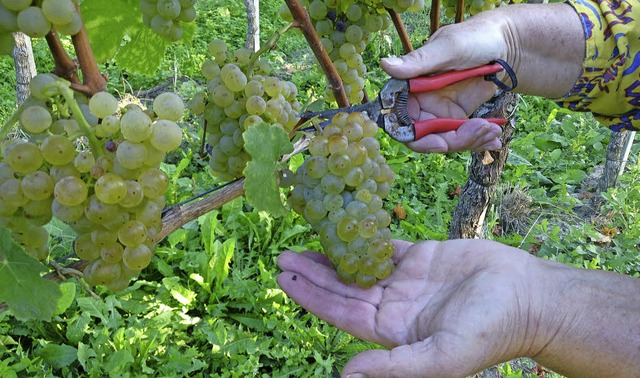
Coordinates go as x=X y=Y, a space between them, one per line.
x=356 y=375
x=393 y=61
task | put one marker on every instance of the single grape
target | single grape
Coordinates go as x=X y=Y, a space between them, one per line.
x=58 y=11
x=35 y=119
x=165 y=135
x=168 y=9
x=154 y=182
x=132 y=233
x=85 y=248
x=168 y=106
x=11 y=193
x=37 y=185
x=138 y=257
x=103 y=104
x=135 y=126
x=70 y=191
x=131 y=155
x=58 y=150
x=32 y=22
x=110 y=188
x=23 y=157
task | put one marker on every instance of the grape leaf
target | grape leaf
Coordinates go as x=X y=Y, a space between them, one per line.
x=107 y=22
x=28 y=295
x=116 y=31
x=266 y=144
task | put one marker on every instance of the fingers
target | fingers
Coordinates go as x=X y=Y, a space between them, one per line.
x=469 y=44
x=324 y=276
x=424 y=359
x=476 y=135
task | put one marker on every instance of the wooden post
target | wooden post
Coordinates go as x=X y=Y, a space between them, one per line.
x=25 y=65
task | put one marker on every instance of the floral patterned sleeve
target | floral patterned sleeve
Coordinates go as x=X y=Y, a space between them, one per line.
x=609 y=86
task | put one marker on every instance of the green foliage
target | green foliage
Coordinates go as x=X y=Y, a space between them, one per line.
x=116 y=32
x=265 y=143
x=28 y=295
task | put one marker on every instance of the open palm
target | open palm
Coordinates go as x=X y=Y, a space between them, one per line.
x=449 y=309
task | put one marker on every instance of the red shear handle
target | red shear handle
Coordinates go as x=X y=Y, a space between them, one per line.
x=431 y=83
x=441 y=125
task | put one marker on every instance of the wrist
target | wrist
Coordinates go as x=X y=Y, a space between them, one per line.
x=587 y=321
x=544 y=44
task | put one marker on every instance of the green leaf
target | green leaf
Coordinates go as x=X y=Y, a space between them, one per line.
x=115 y=30
x=266 y=144
x=84 y=354
x=28 y=295
x=219 y=263
x=58 y=356
x=68 y=290
x=107 y=23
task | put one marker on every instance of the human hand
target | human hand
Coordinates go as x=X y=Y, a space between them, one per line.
x=524 y=36
x=449 y=309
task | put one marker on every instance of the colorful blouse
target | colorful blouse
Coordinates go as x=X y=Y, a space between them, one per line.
x=611 y=65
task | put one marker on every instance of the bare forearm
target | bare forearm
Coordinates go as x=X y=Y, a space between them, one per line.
x=590 y=324
x=544 y=43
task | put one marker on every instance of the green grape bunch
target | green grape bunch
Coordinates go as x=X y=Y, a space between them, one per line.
x=36 y=19
x=240 y=93
x=164 y=17
x=340 y=190
x=94 y=166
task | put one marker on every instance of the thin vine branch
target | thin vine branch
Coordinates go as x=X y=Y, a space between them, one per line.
x=304 y=23
x=459 y=11
x=176 y=216
x=434 y=17
x=268 y=46
x=402 y=31
x=65 y=67
x=93 y=80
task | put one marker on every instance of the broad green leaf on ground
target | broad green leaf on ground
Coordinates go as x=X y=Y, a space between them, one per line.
x=68 y=291
x=116 y=31
x=28 y=295
x=266 y=144
x=58 y=356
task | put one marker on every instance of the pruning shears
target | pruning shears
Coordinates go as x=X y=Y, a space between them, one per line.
x=389 y=109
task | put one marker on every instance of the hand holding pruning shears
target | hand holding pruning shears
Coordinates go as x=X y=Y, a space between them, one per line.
x=399 y=110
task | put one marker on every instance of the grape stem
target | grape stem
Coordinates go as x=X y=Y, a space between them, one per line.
x=4 y=130
x=303 y=21
x=86 y=129
x=268 y=46
x=434 y=17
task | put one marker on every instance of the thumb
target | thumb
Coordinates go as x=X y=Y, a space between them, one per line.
x=423 y=359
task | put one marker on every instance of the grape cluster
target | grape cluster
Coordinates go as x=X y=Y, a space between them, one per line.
x=471 y=7
x=164 y=16
x=111 y=194
x=238 y=99
x=35 y=19
x=340 y=190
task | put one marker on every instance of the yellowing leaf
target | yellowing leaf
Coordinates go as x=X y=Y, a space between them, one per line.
x=266 y=144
